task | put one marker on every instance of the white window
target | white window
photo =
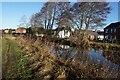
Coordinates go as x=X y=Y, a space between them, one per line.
x=114 y=37
x=111 y=30
x=106 y=37
x=114 y=30
x=106 y=30
x=110 y=38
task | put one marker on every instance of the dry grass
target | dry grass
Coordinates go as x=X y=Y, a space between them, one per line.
x=42 y=63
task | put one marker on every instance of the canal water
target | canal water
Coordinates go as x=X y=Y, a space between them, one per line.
x=93 y=56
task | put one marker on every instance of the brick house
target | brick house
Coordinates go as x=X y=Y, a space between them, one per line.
x=112 y=32
x=21 y=30
x=6 y=31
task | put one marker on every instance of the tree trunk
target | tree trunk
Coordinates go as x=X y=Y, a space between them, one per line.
x=53 y=17
x=81 y=23
x=45 y=24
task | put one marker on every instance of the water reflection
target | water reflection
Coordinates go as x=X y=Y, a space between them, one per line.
x=89 y=55
x=113 y=56
x=64 y=46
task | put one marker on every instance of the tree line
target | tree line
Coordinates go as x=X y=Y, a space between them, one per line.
x=77 y=15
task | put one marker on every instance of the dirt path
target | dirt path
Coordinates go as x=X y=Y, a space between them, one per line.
x=9 y=59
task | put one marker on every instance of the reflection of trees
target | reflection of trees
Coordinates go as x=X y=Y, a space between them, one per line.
x=75 y=65
x=113 y=56
x=81 y=55
x=78 y=54
x=119 y=71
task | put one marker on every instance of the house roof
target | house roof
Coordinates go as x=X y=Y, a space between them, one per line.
x=100 y=33
x=114 y=25
x=92 y=33
x=21 y=28
x=62 y=28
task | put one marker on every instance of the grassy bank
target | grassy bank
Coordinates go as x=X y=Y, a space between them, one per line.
x=44 y=64
x=12 y=58
x=105 y=45
x=31 y=58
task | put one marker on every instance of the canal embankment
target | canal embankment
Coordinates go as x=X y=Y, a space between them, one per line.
x=97 y=45
x=111 y=46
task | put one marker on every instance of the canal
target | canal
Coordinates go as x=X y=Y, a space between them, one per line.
x=109 y=58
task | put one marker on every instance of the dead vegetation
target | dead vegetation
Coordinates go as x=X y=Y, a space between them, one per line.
x=80 y=38
x=43 y=64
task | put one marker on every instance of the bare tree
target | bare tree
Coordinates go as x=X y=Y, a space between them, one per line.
x=90 y=14
x=24 y=22
x=63 y=14
x=48 y=13
x=36 y=20
x=81 y=14
x=51 y=14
